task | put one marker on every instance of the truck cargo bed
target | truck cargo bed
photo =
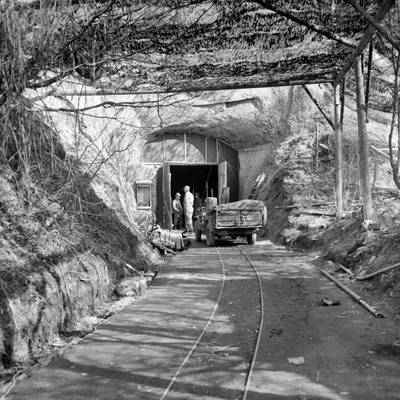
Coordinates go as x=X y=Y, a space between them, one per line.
x=239 y=219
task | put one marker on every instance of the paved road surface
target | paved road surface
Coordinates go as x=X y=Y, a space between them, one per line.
x=134 y=355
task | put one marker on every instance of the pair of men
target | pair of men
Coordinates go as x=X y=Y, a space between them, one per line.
x=186 y=210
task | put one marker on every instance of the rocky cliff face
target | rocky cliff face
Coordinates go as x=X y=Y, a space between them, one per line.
x=62 y=252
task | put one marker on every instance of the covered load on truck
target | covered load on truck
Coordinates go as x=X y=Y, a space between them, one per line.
x=237 y=219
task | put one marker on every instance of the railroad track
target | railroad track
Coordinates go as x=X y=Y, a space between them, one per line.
x=210 y=320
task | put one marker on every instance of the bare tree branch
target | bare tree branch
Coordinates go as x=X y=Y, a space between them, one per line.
x=132 y=104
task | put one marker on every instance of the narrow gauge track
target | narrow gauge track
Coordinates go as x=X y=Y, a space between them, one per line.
x=210 y=319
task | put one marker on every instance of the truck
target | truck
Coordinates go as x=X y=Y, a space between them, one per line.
x=241 y=218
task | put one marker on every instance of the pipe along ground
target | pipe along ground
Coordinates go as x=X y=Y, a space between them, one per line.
x=355 y=296
x=380 y=271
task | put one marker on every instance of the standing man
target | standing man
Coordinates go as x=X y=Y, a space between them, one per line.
x=197 y=203
x=177 y=211
x=188 y=209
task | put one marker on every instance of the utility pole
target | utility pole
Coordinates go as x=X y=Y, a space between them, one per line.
x=316 y=146
x=363 y=142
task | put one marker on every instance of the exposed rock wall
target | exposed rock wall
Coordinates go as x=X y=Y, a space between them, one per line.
x=48 y=302
x=254 y=122
x=258 y=123
x=285 y=173
x=58 y=263
x=254 y=162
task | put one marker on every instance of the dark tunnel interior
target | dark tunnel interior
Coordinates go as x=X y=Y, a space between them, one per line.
x=198 y=177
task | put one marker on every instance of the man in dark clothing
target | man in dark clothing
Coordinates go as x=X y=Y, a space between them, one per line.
x=197 y=203
x=177 y=211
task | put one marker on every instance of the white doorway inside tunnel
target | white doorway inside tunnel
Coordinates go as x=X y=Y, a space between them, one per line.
x=202 y=179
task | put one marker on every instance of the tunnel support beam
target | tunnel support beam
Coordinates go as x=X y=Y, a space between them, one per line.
x=338 y=127
x=363 y=142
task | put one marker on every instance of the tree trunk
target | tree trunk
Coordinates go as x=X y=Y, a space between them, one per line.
x=395 y=112
x=338 y=151
x=363 y=142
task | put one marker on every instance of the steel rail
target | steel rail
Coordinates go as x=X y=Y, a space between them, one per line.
x=260 y=328
x=193 y=348
x=259 y=332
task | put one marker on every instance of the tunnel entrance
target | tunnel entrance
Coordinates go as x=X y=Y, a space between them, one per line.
x=198 y=177
x=194 y=160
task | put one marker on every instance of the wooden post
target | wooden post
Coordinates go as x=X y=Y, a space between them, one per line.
x=167 y=196
x=368 y=83
x=363 y=142
x=342 y=99
x=316 y=146
x=338 y=151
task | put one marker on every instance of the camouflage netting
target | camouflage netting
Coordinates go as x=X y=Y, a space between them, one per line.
x=230 y=44
x=188 y=45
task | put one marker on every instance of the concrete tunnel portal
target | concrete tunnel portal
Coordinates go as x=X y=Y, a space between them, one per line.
x=207 y=164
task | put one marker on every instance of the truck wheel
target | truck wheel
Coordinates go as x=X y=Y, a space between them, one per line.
x=251 y=239
x=197 y=233
x=210 y=238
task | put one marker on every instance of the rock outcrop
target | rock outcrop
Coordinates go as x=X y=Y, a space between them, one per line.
x=59 y=261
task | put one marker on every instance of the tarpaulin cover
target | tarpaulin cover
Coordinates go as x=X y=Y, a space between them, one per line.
x=242 y=205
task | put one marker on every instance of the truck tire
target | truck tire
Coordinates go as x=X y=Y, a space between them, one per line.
x=252 y=238
x=210 y=238
x=197 y=232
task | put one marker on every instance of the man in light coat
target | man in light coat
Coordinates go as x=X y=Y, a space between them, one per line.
x=188 y=209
